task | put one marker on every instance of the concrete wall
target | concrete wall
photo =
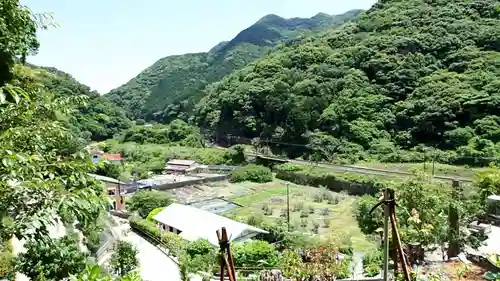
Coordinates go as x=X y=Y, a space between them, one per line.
x=189 y=182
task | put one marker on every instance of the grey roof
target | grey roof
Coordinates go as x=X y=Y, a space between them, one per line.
x=106 y=179
x=181 y=162
x=196 y=223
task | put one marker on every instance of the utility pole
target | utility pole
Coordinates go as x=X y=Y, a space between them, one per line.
x=386 y=236
x=288 y=206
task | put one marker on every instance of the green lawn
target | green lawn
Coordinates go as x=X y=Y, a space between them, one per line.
x=333 y=217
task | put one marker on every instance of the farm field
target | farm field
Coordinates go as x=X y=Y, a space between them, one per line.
x=313 y=210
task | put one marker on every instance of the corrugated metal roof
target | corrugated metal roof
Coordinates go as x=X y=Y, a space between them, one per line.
x=112 y=157
x=105 y=179
x=181 y=162
x=197 y=224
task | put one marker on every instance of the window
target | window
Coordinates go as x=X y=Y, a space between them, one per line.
x=95 y=156
x=111 y=192
x=170 y=229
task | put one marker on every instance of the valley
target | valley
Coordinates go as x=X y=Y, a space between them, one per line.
x=356 y=145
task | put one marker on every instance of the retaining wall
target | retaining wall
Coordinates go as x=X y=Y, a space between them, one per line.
x=189 y=182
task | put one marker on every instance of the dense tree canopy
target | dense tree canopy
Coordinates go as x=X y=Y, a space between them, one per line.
x=169 y=88
x=407 y=74
x=97 y=119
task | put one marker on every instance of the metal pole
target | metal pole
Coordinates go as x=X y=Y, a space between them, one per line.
x=386 y=236
x=288 y=206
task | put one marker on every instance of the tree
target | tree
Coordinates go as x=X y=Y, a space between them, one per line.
x=94 y=273
x=108 y=169
x=124 y=259
x=51 y=259
x=144 y=201
x=44 y=169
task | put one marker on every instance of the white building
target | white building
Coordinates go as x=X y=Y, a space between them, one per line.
x=192 y=224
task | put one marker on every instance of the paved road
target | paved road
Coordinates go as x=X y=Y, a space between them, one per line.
x=154 y=264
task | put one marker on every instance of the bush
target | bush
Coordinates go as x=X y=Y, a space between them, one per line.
x=325 y=212
x=144 y=201
x=311 y=209
x=255 y=253
x=333 y=181
x=298 y=207
x=372 y=263
x=199 y=247
x=171 y=241
x=315 y=227
x=304 y=214
x=154 y=212
x=318 y=197
x=253 y=173
x=284 y=213
x=326 y=223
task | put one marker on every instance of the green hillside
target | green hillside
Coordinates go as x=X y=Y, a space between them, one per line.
x=99 y=119
x=169 y=88
x=409 y=75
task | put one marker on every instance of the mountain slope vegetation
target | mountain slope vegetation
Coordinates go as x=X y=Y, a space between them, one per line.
x=409 y=75
x=169 y=88
x=98 y=119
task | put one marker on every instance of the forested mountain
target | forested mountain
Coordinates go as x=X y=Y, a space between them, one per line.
x=409 y=74
x=99 y=119
x=169 y=88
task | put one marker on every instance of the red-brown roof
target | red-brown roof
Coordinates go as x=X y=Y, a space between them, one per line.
x=112 y=157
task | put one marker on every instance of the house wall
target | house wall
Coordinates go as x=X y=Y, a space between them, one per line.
x=167 y=228
x=113 y=189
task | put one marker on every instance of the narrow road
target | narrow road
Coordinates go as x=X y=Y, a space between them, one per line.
x=154 y=264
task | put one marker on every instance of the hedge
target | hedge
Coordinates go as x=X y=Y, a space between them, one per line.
x=253 y=173
x=354 y=184
x=171 y=241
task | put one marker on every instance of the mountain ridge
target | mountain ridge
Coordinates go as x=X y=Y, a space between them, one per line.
x=408 y=77
x=170 y=87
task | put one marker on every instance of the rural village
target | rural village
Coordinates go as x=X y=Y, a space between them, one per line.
x=361 y=145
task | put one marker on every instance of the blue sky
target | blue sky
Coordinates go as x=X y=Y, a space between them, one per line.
x=105 y=43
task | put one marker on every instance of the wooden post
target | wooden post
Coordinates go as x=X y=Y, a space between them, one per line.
x=396 y=239
x=226 y=262
x=386 y=236
x=453 y=218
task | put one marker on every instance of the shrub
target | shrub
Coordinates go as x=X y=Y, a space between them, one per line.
x=326 y=223
x=255 y=253
x=304 y=214
x=268 y=211
x=325 y=212
x=144 y=201
x=253 y=173
x=154 y=212
x=298 y=207
x=318 y=197
x=255 y=220
x=284 y=213
x=333 y=181
x=311 y=209
x=171 y=241
x=315 y=227
x=372 y=263
x=199 y=247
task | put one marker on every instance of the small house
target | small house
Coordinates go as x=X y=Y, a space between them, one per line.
x=177 y=166
x=114 y=190
x=114 y=158
x=192 y=224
